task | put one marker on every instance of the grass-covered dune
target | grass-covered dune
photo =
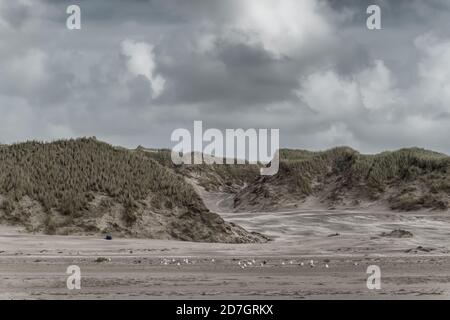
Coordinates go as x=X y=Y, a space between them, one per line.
x=405 y=180
x=87 y=186
x=212 y=177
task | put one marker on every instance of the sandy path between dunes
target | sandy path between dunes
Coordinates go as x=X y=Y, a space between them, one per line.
x=34 y=266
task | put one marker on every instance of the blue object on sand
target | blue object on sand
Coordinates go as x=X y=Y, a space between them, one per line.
x=108 y=237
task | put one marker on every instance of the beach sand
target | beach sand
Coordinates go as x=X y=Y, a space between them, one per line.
x=342 y=244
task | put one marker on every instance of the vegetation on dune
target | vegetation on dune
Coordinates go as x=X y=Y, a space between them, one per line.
x=224 y=177
x=84 y=185
x=66 y=174
x=93 y=186
x=416 y=178
x=408 y=179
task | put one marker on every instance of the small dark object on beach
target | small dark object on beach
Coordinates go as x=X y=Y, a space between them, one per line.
x=398 y=233
x=102 y=259
x=108 y=237
x=333 y=235
x=420 y=249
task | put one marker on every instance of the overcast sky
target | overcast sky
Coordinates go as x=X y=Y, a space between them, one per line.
x=139 y=69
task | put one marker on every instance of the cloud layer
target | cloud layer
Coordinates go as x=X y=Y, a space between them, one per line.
x=139 y=69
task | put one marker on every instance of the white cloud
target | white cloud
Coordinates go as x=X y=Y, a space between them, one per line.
x=328 y=95
x=378 y=88
x=284 y=27
x=335 y=97
x=338 y=134
x=141 y=61
x=55 y=83
x=347 y=110
x=434 y=72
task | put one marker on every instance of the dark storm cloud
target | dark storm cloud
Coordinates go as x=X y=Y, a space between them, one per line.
x=234 y=73
x=139 y=69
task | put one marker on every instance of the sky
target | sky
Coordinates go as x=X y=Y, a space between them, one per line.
x=137 y=70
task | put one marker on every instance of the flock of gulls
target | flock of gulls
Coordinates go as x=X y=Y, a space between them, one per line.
x=248 y=263
x=177 y=262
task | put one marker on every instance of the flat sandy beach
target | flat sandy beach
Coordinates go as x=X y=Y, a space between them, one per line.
x=341 y=245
